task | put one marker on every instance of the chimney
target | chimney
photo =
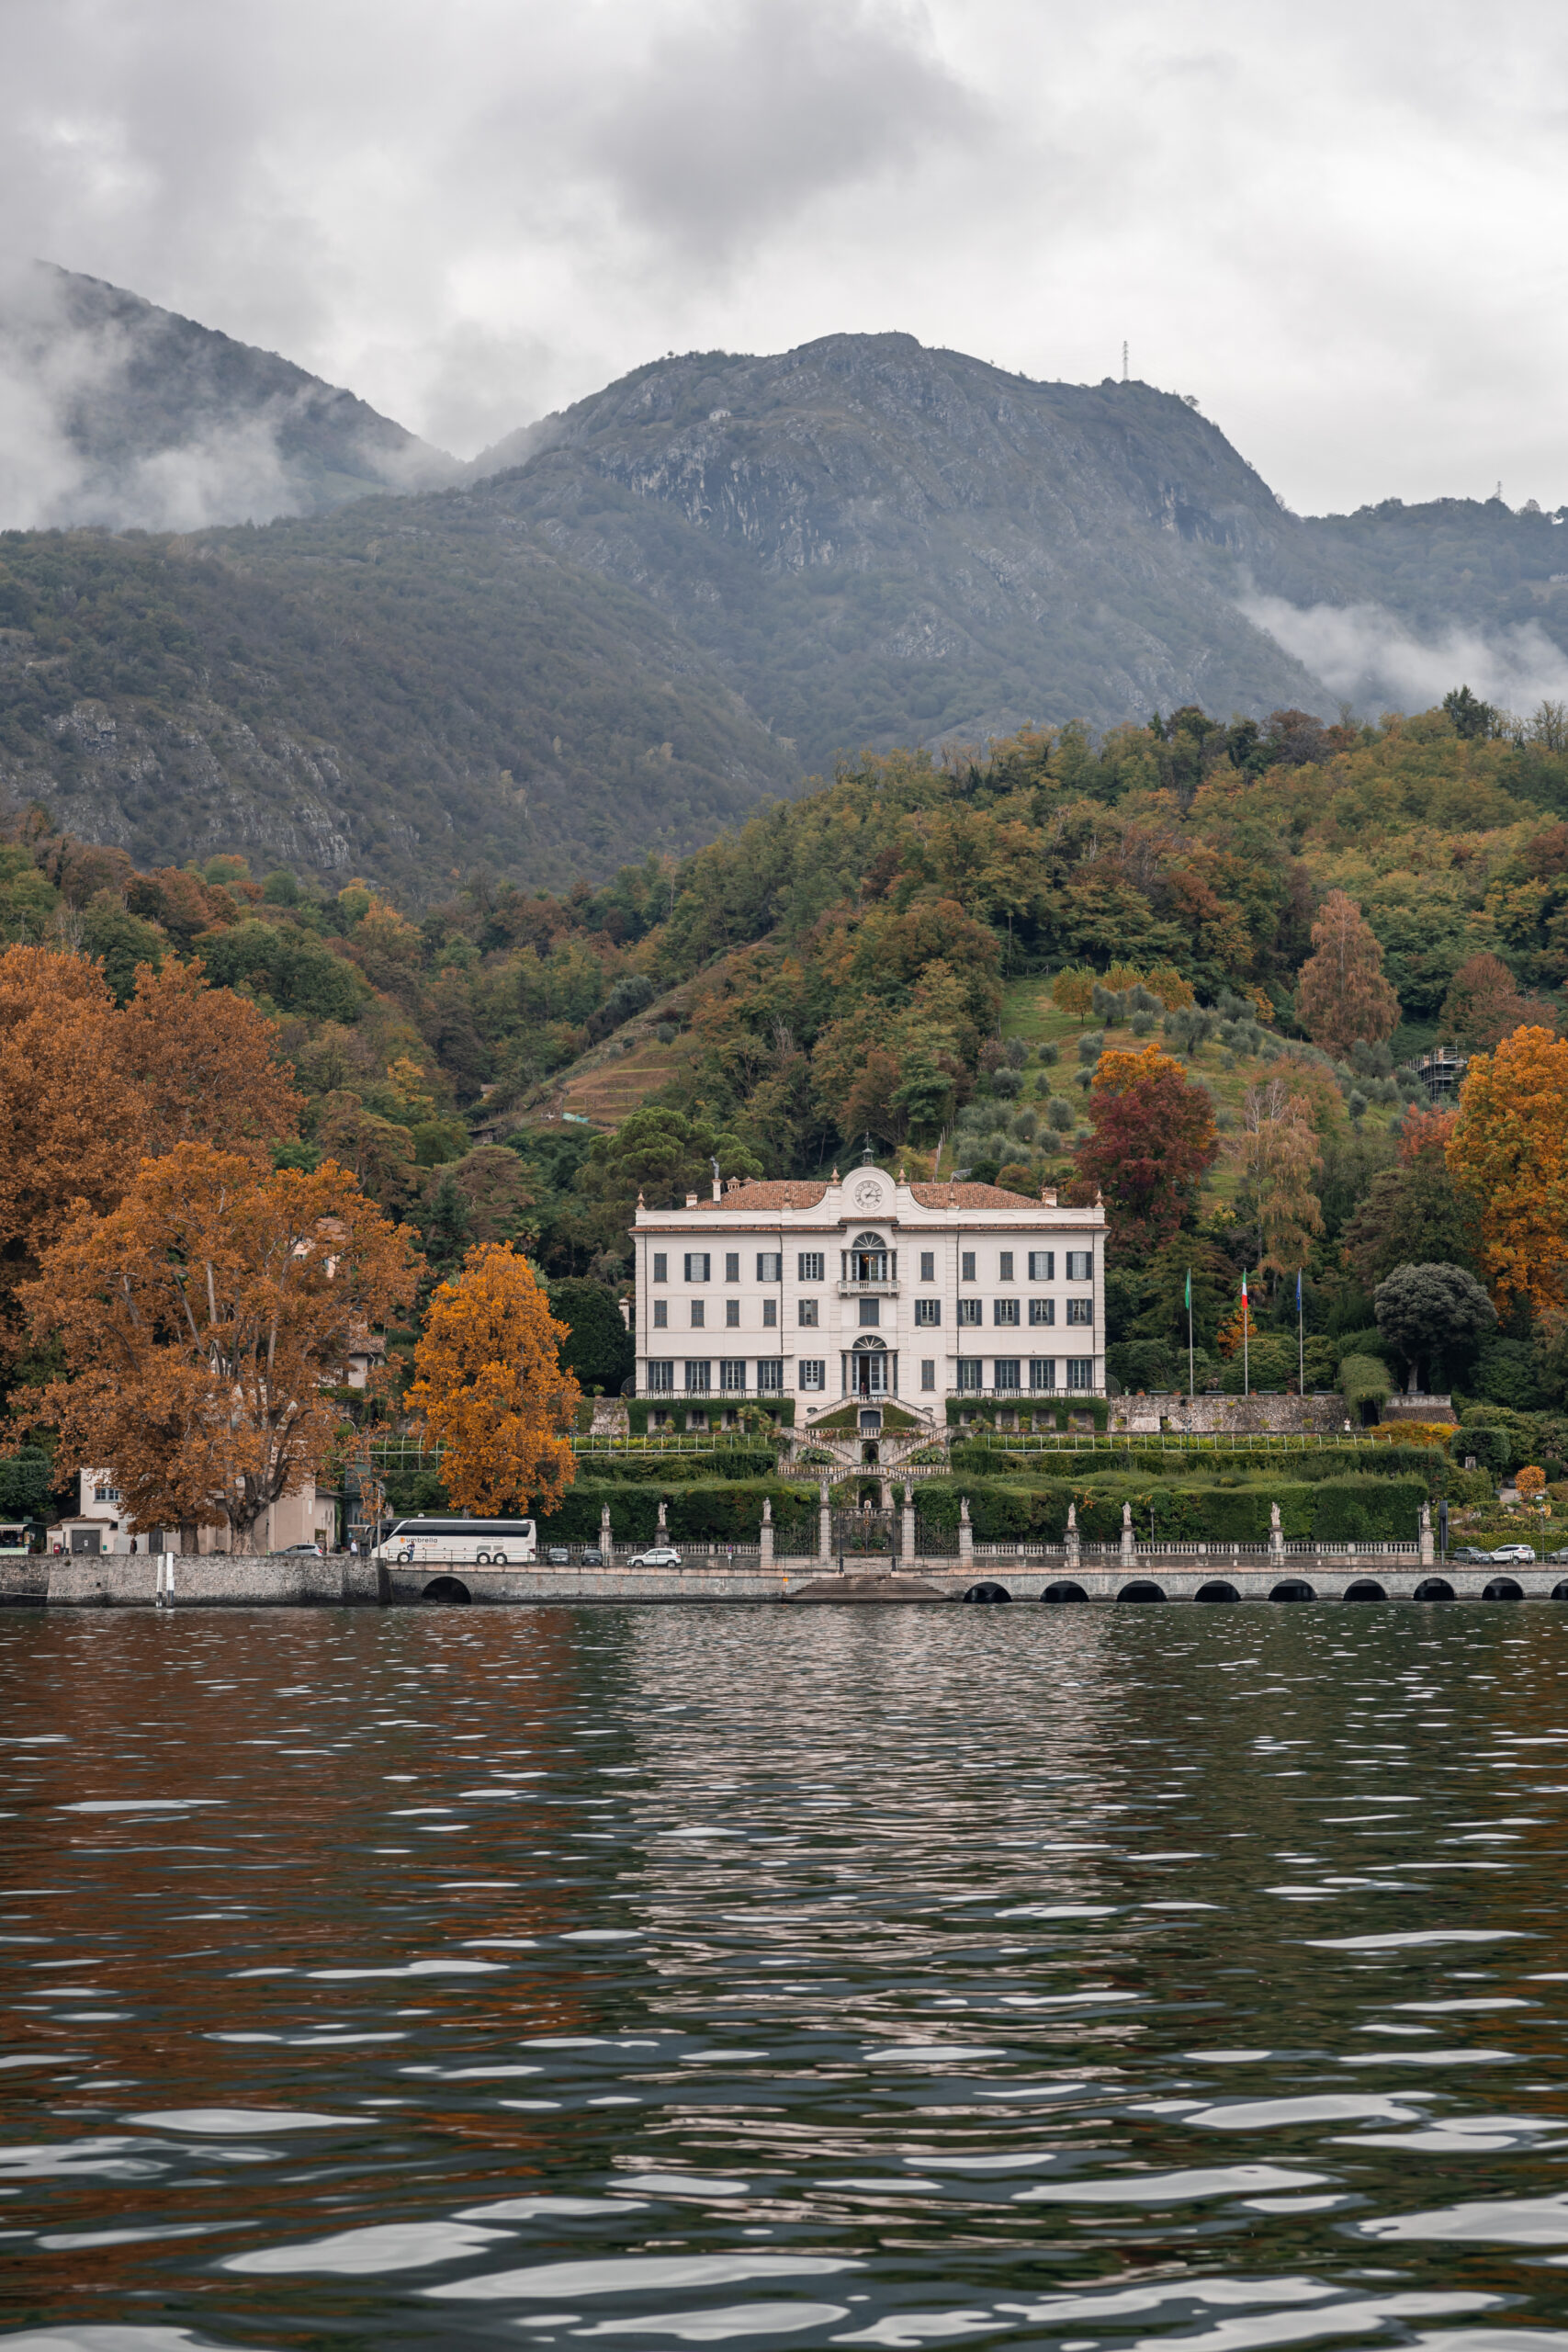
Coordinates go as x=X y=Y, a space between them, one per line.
x=1048 y=1196
x=718 y=1190
x=691 y=1200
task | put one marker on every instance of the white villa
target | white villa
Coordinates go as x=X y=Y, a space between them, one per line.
x=869 y=1288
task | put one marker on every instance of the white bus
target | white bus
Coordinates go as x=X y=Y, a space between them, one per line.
x=473 y=1543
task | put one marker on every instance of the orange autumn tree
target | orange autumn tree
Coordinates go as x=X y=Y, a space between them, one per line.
x=1342 y=994
x=490 y=1390
x=1509 y=1153
x=86 y=1088
x=202 y=1321
x=1153 y=1143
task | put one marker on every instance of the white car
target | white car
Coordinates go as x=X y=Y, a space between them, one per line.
x=659 y=1555
x=1525 y=1552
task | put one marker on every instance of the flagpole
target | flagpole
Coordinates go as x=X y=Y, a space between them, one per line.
x=1191 y=1379
x=1301 y=1341
x=1245 y=1339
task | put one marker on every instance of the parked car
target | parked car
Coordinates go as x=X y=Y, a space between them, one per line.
x=659 y=1555
x=558 y=1556
x=1508 y=1552
x=591 y=1558
x=1465 y=1555
x=317 y=1548
x=1555 y=1559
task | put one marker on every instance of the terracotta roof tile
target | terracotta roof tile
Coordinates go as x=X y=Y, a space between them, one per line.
x=971 y=1196
x=757 y=1195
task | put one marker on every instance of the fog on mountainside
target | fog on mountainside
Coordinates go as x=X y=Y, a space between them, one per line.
x=629 y=625
x=114 y=412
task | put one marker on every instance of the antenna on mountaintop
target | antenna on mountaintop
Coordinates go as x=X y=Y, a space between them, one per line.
x=1124 y=362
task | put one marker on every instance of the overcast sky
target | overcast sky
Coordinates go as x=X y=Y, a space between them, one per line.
x=1340 y=226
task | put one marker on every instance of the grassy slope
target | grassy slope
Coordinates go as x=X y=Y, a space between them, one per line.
x=1028 y=1013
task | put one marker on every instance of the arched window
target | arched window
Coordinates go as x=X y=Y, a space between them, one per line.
x=866 y=1261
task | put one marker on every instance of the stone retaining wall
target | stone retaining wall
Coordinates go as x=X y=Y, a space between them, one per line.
x=294 y=1582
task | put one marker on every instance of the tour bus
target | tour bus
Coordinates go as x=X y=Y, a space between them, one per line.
x=475 y=1543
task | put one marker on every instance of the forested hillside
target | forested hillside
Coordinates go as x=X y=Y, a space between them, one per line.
x=642 y=619
x=1185 y=966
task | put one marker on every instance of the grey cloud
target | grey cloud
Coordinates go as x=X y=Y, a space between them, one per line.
x=735 y=121
x=1374 y=662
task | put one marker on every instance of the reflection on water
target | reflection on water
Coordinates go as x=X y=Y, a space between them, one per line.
x=1093 y=1978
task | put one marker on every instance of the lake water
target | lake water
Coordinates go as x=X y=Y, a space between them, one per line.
x=1097 y=1978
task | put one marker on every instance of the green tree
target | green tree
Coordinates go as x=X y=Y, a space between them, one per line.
x=1432 y=1313
x=599 y=1349
x=1415 y=1214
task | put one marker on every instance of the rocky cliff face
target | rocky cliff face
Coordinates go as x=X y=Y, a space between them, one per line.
x=891 y=544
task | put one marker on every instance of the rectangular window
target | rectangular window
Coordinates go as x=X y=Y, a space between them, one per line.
x=770 y=1313
x=1042 y=1371
x=1004 y=1310
x=813 y=1266
x=732 y=1315
x=1080 y=1265
x=1081 y=1310
x=1043 y=1310
x=928 y=1265
x=732 y=1374
x=770 y=1266
x=969 y=1371
x=966 y=1266
x=660 y=1314
x=770 y=1376
x=870 y=1314
x=699 y=1315
x=1042 y=1265
x=971 y=1310
x=1004 y=1266
x=660 y=1267
x=807 y=1312
x=1007 y=1373
x=697 y=1264
x=660 y=1377
x=699 y=1377
x=928 y=1372
x=812 y=1372
x=732 y=1265
x=1080 y=1371
x=928 y=1313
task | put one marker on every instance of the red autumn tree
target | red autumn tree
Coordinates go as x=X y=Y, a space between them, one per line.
x=1342 y=994
x=1483 y=1005
x=1153 y=1142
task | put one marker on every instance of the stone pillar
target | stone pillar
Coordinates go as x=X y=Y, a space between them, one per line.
x=907 y=1539
x=887 y=1494
x=1428 y=1554
x=1276 y=1534
x=1128 y=1553
x=766 y=1560
x=606 y=1541
x=1072 y=1535
x=965 y=1535
x=824 y=1523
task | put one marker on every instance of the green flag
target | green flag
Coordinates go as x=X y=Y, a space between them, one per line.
x=1186 y=1302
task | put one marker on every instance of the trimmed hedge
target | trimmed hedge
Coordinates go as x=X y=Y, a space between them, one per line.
x=680 y=1410
x=1046 y=1413
x=719 y=1512
x=1333 y=1511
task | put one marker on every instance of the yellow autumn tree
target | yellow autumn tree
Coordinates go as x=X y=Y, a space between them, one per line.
x=1277 y=1156
x=490 y=1390
x=1509 y=1154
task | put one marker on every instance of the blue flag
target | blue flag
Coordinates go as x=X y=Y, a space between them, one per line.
x=1298 y=1290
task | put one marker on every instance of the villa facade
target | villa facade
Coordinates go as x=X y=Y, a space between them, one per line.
x=868 y=1288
